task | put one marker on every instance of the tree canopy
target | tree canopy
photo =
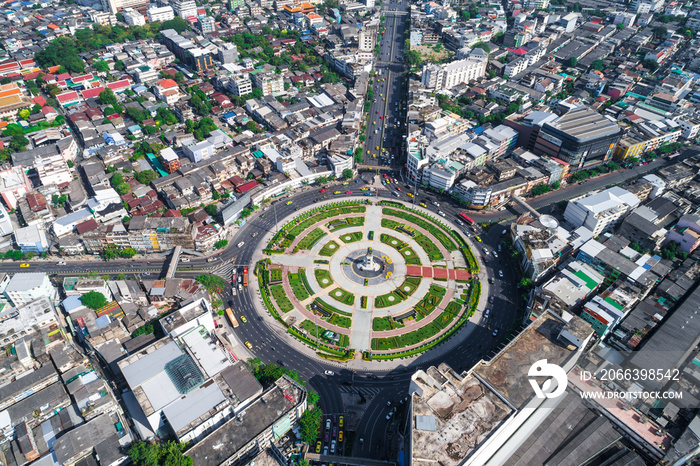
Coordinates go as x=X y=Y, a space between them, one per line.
x=159 y=454
x=93 y=299
x=146 y=176
x=212 y=283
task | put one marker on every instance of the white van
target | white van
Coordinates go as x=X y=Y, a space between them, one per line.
x=240 y=245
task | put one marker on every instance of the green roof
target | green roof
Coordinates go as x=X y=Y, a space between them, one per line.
x=590 y=283
x=614 y=303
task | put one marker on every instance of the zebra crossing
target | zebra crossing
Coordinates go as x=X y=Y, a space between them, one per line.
x=224 y=270
x=366 y=391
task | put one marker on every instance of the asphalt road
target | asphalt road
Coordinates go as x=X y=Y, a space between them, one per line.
x=384 y=125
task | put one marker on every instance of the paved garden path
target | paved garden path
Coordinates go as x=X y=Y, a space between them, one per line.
x=362 y=325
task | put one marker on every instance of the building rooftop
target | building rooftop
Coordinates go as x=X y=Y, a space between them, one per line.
x=584 y=124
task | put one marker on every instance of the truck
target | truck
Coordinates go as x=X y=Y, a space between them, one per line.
x=245 y=279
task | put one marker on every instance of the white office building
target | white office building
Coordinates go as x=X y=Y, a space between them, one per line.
x=601 y=211
x=133 y=17
x=184 y=8
x=448 y=75
x=240 y=86
x=160 y=13
x=24 y=288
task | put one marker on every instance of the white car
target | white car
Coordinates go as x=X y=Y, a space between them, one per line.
x=459 y=222
x=329 y=373
x=441 y=213
x=500 y=273
x=388 y=416
x=436 y=204
x=486 y=313
x=388 y=403
x=328 y=424
x=333 y=443
x=486 y=251
x=495 y=333
x=184 y=260
x=240 y=245
x=495 y=254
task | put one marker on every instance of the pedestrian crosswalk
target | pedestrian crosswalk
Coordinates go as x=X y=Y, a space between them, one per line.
x=366 y=391
x=224 y=270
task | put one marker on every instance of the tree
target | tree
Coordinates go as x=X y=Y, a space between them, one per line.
x=651 y=65
x=672 y=250
x=573 y=61
x=660 y=32
x=310 y=423
x=159 y=454
x=348 y=174
x=176 y=23
x=107 y=97
x=483 y=46
x=412 y=58
x=212 y=283
x=61 y=51
x=222 y=243
x=18 y=143
x=101 y=65
x=597 y=65
x=94 y=300
x=211 y=210
x=146 y=176
x=257 y=93
x=525 y=282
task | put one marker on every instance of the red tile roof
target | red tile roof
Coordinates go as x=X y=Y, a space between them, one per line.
x=87 y=225
x=67 y=96
x=167 y=83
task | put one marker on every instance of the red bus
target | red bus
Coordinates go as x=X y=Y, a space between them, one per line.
x=466 y=219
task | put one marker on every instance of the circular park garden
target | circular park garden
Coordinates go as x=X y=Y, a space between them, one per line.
x=375 y=280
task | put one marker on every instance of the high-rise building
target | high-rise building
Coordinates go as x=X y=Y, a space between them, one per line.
x=195 y=57
x=228 y=53
x=582 y=137
x=268 y=83
x=240 y=86
x=133 y=17
x=116 y=6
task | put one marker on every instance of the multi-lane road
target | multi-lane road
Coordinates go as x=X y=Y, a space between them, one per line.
x=385 y=120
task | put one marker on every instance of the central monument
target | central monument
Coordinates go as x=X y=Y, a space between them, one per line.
x=369 y=264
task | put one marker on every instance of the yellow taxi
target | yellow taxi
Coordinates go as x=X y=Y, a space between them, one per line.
x=243 y=319
x=374 y=122
x=409 y=194
x=364 y=189
x=337 y=192
x=318 y=447
x=377 y=147
x=422 y=204
x=24 y=265
x=383 y=149
x=247 y=343
x=340 y=436
x=478 y=239
x=346 y=183
x=383 y=98
x=340 y=421
x=289 y=202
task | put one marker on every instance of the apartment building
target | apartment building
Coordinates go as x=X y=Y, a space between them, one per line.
x=24 y=288
x=117 y=6
x=446 y=76
x=167 y=90
x=240 y=85
x=184 y=8
x=268 y=82
x=160 y=13
x=601 y=211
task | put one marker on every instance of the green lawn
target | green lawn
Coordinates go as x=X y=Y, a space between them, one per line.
x=345 y=223
x=309 y=240
x=409 y=254
x=330 y=308
x=430 y=301
x=429 y=247
x=275 y=275
x=384 y=301
x=322 y=275
x=342 y=296
x=380 y=324
x=298 y=287
x=310 y=327
x=433 y=228
x=351 y=237
x=329 y=248
x=278 y=294
x=340 y=321
x=409 y=285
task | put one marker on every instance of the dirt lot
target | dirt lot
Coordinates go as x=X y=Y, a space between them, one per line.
x=428 y=53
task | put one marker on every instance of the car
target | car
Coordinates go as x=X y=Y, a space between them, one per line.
x=409 y=194
x=323 y=191
x=289 y=202
x=491 y=281
x=486 y=313
x=333 y=444
x=328 y=424
x=499 y=247
x=381 y=117
x=374 y=122
x=340 y=422
x=436 y=204
x=383 y=98
x=240 y=245
x=441 y=213
x=388 y=416
x=388 y=403
x=495 y=333
x=495 y=254
x=61 y=263
x=24 y=265
x=318 y=447
x=486 y=251
x=184 y=259
x=348 y=192
x=377 y=147
x=325 y=450
x=423 y=204
x=243 y=319
x=340 y=436
x=504 y=232
x=255 y=235
x=398 y=189
x=364 y=189
x=460 y=222
x=500 y=273
x=477 y=238
x=248 y=345
x=337 y=192
x=329 y=373
x=377 y=112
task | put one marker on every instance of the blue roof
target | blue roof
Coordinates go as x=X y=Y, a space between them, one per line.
x=478 y=130
x=134 y=128
x=71 y=302
x=229 y=114
x=306 y=38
